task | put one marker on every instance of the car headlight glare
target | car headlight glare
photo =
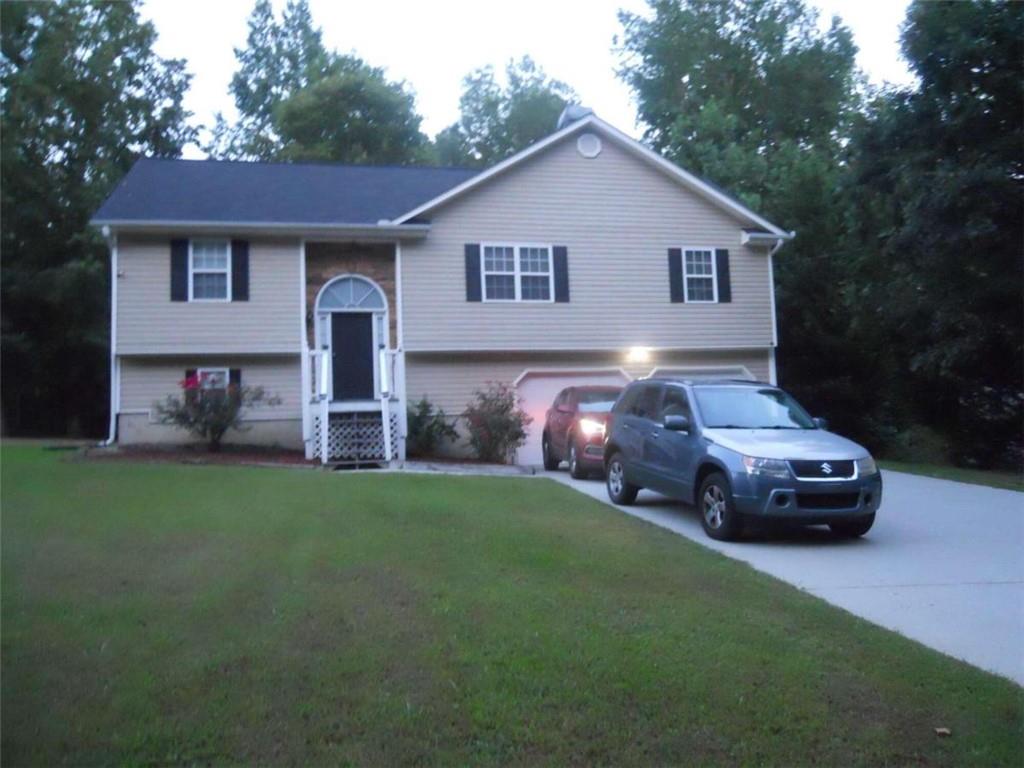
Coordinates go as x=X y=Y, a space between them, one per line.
x=766 y=467
x=590 y=427
x=866 y=466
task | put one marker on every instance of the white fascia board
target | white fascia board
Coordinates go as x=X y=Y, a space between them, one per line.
x=690 y=181
x=494 y=170
x=309 y=230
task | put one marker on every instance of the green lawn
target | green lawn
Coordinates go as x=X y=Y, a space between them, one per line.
x=995 y=479
x=175 y=614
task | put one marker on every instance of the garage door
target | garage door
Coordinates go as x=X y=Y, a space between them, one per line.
x=538 y=390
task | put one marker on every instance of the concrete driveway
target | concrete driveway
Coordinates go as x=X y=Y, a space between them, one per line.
x=943 y=564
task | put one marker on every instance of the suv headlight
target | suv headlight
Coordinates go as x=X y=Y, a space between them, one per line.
x=866 y=466
x=591 y=427
x=766 y=467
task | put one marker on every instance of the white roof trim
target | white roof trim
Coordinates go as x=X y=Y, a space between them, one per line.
x=310 y=229
x=685 y=177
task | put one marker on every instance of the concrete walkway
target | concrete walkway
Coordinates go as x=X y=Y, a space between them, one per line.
x=943 y=564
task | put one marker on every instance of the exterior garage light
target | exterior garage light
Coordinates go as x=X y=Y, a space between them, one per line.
x=639 y=354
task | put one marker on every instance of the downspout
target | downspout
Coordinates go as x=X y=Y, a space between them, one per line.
x=114 y=377
x=772 y=372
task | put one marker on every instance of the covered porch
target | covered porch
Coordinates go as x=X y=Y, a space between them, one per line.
x=353 y=365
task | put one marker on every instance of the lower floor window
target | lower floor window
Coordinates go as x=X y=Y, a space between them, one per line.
x=213 y=378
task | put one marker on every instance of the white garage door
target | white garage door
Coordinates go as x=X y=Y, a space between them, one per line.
x=537 y=391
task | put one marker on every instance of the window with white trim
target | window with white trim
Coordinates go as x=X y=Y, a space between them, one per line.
x=213 y=379
x=517 y=273
x=699 y=275
x=209 y=273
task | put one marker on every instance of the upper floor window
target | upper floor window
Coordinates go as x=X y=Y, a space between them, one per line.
x=209 y=273
x=517 y=273
x=699 y=274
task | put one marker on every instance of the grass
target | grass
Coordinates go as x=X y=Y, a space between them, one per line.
x=992 y=478
x=175 y=614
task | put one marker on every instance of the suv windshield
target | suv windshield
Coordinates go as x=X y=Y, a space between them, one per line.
x=596 y=400
x=750 y=408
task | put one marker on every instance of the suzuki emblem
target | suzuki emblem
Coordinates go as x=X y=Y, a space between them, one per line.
x=826 y=468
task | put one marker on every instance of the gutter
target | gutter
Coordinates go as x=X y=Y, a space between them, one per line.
x=111 y=239
x=382 y=230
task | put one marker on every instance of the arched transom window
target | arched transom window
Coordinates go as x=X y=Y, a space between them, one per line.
x=351 y=294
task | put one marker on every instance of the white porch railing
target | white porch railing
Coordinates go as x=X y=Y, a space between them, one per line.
x=353 y=434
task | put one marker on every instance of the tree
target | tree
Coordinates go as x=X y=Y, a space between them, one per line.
x=937 y=206
x=497 y=121
x=83 y=96
x=279 y=59
x=356 y=117
x=753 y=96
x=298 y=101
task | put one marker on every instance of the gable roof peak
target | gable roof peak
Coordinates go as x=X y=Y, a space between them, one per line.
x=571 y=114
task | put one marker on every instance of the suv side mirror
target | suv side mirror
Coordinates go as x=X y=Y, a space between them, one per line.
x=563 y=408
x=820 y=423
x=677 y=423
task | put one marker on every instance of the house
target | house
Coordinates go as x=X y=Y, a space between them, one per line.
x=351 y=291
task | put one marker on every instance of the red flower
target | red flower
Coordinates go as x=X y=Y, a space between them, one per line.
x=190 y=382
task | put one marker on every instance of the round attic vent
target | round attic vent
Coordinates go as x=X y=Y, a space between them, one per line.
x=588 y=145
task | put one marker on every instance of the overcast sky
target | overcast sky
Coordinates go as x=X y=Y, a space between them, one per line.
x=432 y=45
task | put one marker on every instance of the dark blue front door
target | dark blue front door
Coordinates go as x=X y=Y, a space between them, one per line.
x=352 y=355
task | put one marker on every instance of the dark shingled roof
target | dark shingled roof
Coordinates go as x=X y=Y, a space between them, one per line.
x=295 y=193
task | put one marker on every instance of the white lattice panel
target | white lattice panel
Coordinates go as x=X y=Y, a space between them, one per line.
x=355 y=437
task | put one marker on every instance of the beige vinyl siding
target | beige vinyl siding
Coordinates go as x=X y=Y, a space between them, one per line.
x=148 y=322
x=618 y=216
x=145 y=380
x=449 y=381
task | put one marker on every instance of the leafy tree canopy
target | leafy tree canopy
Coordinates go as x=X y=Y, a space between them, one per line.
x=83 y=96
x=937 y=206
x=296 y=100
x=497 y=121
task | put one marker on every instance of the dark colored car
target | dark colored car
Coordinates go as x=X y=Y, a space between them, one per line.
x=738 y=449
x=574 y=428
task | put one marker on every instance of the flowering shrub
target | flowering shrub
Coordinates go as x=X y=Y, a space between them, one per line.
x=496 y=423
x=427 y=428
x=209 y=413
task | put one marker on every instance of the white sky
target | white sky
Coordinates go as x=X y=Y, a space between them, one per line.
x=433 y=45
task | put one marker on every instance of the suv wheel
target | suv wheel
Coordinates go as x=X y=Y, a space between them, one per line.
x=619 y=490
x=853 y=528
x=575 y=468
x=550 y=462
x=718 y=513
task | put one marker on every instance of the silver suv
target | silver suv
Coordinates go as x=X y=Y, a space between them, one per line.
x=737 y=449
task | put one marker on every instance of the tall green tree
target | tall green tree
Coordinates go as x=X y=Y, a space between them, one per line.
x=297 y=100
x=754 y=96
x=499 y=120
x=936 y=200
x=83 y=96
x=355 y=117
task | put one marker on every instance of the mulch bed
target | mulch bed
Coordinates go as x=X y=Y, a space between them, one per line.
x=191 y=454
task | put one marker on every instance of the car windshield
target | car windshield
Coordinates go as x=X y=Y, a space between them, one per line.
x=596 y=400
x=750 y=408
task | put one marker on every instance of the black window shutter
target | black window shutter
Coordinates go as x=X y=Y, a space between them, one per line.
x=190 y=372
x=235 y=377
x=239 y=270
x=473 y=272
x=676 y=289
x=722 y=270
x=179 y=270
x=561 y=265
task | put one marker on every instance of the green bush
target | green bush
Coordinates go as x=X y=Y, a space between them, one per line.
x=428 y=428
x=210 y=413
x=496 y=423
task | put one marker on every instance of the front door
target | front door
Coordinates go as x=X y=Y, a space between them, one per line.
x=352 y=355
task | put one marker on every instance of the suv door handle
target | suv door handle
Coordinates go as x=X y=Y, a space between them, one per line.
x=655 y=434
